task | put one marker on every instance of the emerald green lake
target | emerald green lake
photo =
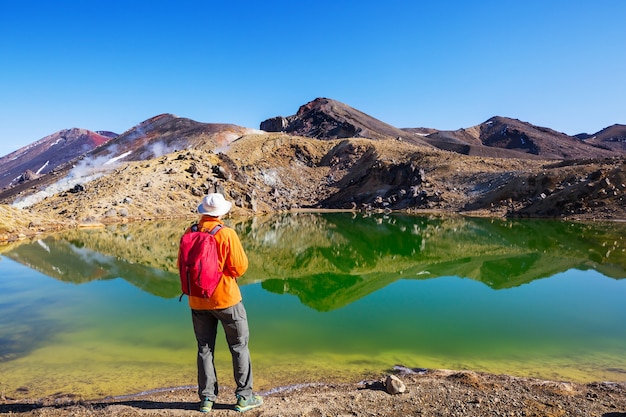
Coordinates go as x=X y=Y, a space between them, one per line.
x=336 y=296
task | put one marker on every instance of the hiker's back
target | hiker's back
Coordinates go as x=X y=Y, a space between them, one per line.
x=232 y=261
x=198 y=263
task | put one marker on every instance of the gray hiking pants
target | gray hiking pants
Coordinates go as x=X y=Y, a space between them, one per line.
x=235 y=323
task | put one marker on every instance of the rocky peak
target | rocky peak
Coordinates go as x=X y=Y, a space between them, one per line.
x=612 y=137
x=324 y=118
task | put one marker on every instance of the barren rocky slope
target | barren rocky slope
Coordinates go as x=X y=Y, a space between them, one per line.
x=324 y=118
x=48 y=153
x=500 y=137
x=274 y=171
x=512 y=138
x=612 y=137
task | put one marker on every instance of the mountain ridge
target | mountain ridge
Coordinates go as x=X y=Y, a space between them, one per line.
x=166 y=133
x=612 y=137
x=501 y=137
x=325 y=118
x=44 y=155
x=508 y=137
x=163 y=166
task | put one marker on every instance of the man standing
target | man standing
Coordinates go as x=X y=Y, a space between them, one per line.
x=224 y=306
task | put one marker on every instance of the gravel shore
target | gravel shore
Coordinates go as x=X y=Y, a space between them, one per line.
x=428 y=393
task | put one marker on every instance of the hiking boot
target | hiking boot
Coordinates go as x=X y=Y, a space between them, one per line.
x=245 y=405
x=206 y=405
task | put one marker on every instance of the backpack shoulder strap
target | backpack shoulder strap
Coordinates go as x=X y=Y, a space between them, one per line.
x=216 y=229
x=196 y=228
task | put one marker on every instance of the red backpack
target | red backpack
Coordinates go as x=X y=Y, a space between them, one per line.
x=197 y=262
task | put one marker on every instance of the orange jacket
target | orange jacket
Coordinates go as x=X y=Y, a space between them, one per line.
x=233 y=261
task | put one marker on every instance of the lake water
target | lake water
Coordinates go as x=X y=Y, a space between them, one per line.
x=336 y=296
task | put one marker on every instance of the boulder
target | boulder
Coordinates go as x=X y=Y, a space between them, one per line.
x=394 y=385
x=27 y=176
x=275 y=124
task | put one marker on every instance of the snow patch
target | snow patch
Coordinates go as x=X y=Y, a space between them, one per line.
x=40 y=169
x=43 y=245
x=117 y=158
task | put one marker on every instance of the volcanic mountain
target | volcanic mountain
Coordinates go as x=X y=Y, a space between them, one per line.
x=149 y=139
x=329 y=155
x=325 y=118
x=505 y=137
x=46 y=154
x=166 y=133
x=499 y=137
x=612 y=137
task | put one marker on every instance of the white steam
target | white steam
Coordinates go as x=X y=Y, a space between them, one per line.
x=85 y=171
x=159 y=149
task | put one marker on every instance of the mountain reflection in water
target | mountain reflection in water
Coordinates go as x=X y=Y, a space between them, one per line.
x=338 y=296
x=331 y=260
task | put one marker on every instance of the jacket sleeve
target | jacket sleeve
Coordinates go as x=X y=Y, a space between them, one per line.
x=236 y=260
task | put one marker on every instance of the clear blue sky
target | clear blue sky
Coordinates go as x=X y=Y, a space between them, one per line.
x=109 y=65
